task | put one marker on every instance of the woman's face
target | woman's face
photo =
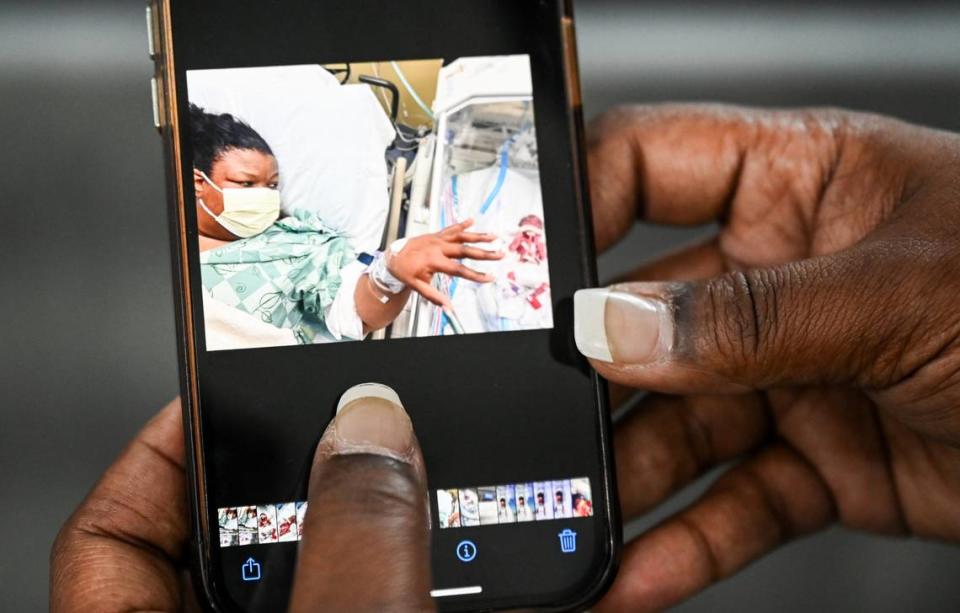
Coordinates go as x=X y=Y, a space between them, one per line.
x=234 y=169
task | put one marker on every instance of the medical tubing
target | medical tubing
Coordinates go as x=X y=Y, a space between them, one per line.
x=501 y=179
x=412 y=92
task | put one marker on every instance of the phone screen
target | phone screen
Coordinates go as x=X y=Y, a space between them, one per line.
x=312 y=180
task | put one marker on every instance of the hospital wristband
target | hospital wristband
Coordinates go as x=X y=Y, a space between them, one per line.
x=383 y=279
x=378 y=292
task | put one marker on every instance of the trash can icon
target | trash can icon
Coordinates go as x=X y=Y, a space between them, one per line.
x=568 y=541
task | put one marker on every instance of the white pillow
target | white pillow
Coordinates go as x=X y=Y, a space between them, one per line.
x=329 y=140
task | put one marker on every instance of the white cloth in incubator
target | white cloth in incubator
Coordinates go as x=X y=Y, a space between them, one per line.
x=520 y=298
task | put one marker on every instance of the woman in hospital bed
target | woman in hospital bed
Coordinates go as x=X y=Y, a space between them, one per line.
x=273 y=282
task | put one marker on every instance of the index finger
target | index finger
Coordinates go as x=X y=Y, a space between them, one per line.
x=457 y=228
x=756 y=507
x=688 y=165
x=123 y=545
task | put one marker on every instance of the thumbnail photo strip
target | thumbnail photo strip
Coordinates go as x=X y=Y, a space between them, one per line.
x=261 y=524
x=515 y=503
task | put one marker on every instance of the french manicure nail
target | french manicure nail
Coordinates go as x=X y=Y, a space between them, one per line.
x=623 y=324
x=370 y=419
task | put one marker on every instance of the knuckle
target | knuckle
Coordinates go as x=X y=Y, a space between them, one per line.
x=741 y=320
x=363 y=485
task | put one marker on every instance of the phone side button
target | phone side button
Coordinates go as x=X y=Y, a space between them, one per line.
x=150 y=33
x=154 y=92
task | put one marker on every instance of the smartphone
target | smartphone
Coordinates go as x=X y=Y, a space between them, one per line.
x=308 y=145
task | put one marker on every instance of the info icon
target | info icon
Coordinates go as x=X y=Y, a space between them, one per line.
x=568 y=541
x=466 y=551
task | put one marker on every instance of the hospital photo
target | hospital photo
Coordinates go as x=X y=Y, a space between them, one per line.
x=368 y=201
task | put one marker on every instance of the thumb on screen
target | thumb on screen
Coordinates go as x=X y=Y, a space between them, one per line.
x=366 y=534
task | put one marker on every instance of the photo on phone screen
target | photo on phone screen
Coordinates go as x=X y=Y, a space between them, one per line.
x=525 y=509
x=287 y=530
x=268 y=524
x=506 y=504
x=469 y=508
x=448 y=508
x=301 y=514
x=296 y=223
x=249 y=526
x=229 y=528
x=562 y=502
x=543 y=500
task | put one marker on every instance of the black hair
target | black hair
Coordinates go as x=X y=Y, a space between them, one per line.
x=213 y=135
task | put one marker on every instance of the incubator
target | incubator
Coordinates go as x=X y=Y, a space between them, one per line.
x=483 y=165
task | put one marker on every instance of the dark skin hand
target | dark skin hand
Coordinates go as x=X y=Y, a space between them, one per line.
x=124 y=548
x=815 y=339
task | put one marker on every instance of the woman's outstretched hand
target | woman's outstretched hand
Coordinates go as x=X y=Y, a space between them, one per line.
x=425 y=256
x=815 y=338
x=124 y=548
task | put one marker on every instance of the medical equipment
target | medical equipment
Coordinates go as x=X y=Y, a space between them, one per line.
x=485 y=144
x=454 y=320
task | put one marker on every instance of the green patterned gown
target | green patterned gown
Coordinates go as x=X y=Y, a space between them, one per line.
x=287 y=277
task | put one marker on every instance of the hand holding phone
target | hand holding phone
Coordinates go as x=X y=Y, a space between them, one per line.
x=336 y=553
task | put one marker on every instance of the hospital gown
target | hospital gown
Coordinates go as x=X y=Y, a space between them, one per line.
x=297 y=275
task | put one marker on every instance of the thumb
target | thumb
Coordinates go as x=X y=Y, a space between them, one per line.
x=847 y=318
x=366 y=541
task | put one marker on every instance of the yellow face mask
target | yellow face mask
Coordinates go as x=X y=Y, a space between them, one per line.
x=248 y=211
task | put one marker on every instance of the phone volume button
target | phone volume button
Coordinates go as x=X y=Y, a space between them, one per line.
x=151 y=36
x=155 y=93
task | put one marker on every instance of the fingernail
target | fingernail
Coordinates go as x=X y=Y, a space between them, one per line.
x=370 y=419
x=623 y=324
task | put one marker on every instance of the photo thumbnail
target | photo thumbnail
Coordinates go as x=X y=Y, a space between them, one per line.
x=525 y=502
x=489 y=515
x=229 y=527
x=506 y=504
x=469 y=508
x=287 y=523
x=249 y=526
x=317 y=186
x=267 y=519
x=581 y=499
x=543 y=500
x=562 y=504
x=448 y=508
x=301 y=514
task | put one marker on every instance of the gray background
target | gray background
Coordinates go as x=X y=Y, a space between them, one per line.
x=87 y=336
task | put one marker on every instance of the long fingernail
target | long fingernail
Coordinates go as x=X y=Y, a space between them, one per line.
x=370 y=419
x=627 y=324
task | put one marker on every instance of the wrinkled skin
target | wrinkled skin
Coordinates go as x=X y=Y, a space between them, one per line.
x=817 y=337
